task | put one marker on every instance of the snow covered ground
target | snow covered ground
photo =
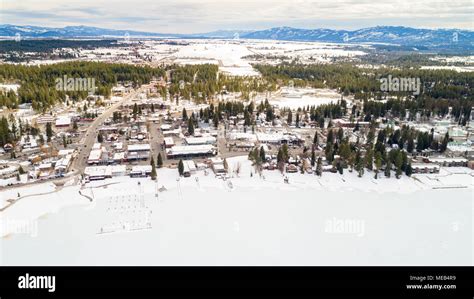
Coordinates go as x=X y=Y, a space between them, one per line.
x=202 y=220
x=303 y=97
x=449 y=67
x=227 y=54
x=234 y=56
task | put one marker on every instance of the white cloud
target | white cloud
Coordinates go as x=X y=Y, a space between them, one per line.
x=191 y=16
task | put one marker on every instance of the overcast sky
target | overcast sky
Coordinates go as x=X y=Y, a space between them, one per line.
x=194 y=16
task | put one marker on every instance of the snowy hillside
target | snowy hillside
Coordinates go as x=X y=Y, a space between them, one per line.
x=394 y=35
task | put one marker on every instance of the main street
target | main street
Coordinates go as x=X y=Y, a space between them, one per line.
x=80 y=162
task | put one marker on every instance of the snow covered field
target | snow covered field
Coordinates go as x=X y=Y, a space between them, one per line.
x=308 y=52
x=202 y=220
x=303 y=97
x=234 y=56
x=451 y=68
x=227 y=54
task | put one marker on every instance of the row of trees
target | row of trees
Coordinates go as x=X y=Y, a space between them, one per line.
x=12 y=129
x=351 y=79
x=38 y=84
x=440 y=90
x=356 y=156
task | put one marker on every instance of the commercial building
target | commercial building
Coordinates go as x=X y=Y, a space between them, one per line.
x=188 y=151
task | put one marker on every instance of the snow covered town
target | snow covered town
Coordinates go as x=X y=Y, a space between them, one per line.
x=136 y=127
x=216 y=142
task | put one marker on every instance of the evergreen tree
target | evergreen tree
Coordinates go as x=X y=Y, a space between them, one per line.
x=290 y=118
x=153 y=169
x=408 y=169
x=359 y=164
x=369 y=158
x=444 y=144
x=226 y=166
x=398 y=164
x=135 y=110
x=330 y=123
x=378 y=164
x=181 y=167
x=410 y=145
x=64 y=141
x=388 y=167
x=21 y=170
x=330 y=138
x=191 y=126
x=339 y=167
x=340 y=134
x=159 y=161
x=74 y=125
x=286 y=155
x=247 y=121
x=49 y=132
x=185 y=114
x=313 y=158
x=262 y=154
x=280 y=155
x=315 y=139
x=329 y=152
x=215 y=120
x=319 y=167
x=100 y=138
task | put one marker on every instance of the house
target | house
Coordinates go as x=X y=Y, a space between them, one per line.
x=291 y=168
x=179 y=151
x=138 y=151
x=44 y=119
x=470 y=164
x=94 y=156
x=168 y=142
x=189 y=167
x=448 y=161
x=186 y=170
x=63 y=122
x=425 y=168
x=45 y=170
x=218 y=165
x=140 y=171
x=119 y=157
x=175 y=132
x=61 y=166
x=102 y=172
x=200 y=140
x=118 y=91
x=165 y=127
x=95 y=173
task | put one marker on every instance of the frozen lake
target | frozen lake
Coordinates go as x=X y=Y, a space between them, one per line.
x=333 y=220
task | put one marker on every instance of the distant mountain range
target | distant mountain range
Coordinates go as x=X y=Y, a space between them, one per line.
x=422 y=39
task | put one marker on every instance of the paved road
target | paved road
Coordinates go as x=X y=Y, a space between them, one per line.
x=156 y=140
x=80 y=162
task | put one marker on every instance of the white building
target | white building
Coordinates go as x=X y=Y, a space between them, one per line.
x=200 y=140
x=179 y=151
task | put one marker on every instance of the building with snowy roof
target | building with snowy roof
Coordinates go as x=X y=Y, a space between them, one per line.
x=200 y=140
x=179 y=151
